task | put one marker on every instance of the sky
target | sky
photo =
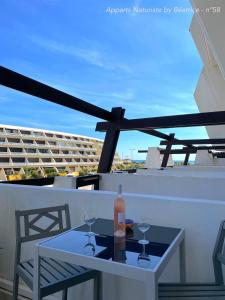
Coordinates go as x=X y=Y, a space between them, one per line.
x=105 y=52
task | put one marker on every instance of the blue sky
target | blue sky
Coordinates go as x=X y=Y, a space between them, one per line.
x=144 y=62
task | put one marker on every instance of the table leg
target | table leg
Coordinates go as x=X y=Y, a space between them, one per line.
x=36 y=283
x=182 y=262
x=151 y=288
x=98 y=287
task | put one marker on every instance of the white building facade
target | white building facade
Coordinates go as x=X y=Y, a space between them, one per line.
x=22 y=147
x=207 y=29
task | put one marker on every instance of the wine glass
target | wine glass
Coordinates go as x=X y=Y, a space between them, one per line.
x=89 y=247
x=143 y=259
x=89 y=219
x=143 y=225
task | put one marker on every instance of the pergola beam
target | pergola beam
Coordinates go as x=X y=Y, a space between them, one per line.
x=173 y=151
x=19 y=82
x=195 y=142
x=188 y=120
x=116 y=121
x=35 y=88
x=180 y=151
x=187 y=149
x=207 y=148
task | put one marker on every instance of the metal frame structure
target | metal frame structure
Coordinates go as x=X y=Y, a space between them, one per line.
x=187 y=120
x=148 y=276
x=189 y=150
x=80 y=182
x=54 y=276
x=35 y=88
x=34 y=181
x=88 y=180
x=116 y=122
x=195 y=143
x=201 y=290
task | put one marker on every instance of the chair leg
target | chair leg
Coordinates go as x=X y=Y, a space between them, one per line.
x=98 y=287
x=15 y=286
x=64 y=294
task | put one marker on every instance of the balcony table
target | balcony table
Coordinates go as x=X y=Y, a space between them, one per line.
x=119 y=256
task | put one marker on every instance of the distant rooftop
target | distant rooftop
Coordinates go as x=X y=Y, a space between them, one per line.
x=48 y=131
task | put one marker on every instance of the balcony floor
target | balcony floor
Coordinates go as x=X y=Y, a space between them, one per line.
x=4 y=295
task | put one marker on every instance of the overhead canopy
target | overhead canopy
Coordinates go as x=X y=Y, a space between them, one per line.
x=116 y=121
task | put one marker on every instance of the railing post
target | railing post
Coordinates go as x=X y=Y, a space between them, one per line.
x=96 y=186
x=110 y=143
x=167 y=151
x=88 y=180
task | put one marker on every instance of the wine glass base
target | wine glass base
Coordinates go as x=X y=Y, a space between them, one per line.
x=143 y=242
x=144 y=260
x=89 y=249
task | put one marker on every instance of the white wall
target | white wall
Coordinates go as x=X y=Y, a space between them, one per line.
x=207 y=29
x=204 y=158
x=154 y=159
x=210 y=187
x=208 y=169
x=201 y=41
x=197 y=171
x=212 y=25
x=190 y=170
x=209 y=96
x=199 y=218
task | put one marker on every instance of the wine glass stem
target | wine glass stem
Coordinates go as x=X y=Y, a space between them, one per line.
x=90 y=228
x=144 y=236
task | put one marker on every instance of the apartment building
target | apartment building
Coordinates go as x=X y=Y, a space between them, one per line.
x=22 y=147
x=207 y=29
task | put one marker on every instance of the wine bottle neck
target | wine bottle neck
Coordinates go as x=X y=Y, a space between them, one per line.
x=120 y=190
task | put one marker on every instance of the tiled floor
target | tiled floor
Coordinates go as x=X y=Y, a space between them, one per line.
x=4 y=295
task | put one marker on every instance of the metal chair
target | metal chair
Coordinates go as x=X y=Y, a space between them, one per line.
x=201 y=291
x=54 y=275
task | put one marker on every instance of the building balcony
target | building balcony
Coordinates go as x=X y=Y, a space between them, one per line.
x=209 y=27
x=198 y=211
x=10 y=135
x=5 y=154
x=42 y=136
x=46 y=146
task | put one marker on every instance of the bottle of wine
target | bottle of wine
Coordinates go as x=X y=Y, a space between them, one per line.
x=119 y=249
x=119 y=215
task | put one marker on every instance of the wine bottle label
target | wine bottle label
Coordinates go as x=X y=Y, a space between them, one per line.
x=121 y=218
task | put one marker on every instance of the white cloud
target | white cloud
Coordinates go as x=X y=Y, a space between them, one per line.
x=182 y=95
x=3 y=99
x=160 y=109
x=90 y=53
x=128 y=95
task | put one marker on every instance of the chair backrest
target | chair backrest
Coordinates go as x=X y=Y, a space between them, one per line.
x=219 y=254
x=40 y=223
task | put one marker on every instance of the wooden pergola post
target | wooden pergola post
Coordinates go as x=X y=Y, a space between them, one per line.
x=167 y=151
x=186 y=158
x=110 y=142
